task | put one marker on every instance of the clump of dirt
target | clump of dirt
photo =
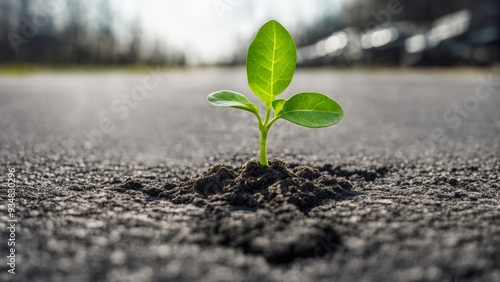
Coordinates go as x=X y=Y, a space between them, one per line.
x=132 y=184
x=279 y=238
x=253 y=187
x=259 y=210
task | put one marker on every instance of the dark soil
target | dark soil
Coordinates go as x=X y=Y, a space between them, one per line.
x=252 y=187
x=260 y=210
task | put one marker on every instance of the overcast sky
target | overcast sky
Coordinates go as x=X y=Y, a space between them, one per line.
x=207 y=29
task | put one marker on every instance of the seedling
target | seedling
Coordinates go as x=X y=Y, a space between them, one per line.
x=271 y=61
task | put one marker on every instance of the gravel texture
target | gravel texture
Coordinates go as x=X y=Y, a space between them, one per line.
x=405 y=188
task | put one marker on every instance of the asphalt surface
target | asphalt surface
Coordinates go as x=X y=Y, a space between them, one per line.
x=421 y=149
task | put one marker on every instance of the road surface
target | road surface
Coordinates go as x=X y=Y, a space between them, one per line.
x=421 y=148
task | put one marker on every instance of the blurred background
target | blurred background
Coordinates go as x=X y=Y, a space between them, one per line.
x=217 y=32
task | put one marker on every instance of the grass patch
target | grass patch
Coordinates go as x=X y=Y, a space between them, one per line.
x=24 y=69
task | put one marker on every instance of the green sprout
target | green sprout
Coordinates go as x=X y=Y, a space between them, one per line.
x=271 y=61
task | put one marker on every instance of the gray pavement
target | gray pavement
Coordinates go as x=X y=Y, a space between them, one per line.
x=431 y=216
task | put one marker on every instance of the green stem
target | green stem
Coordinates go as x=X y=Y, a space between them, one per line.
x=264 y=128
x=263 y=146
x=268 y=115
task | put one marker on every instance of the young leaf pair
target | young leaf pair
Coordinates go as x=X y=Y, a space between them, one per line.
x=271 y=61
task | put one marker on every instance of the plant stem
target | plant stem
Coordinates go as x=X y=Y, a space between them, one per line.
x=263 y=146
x=264 y=128
x=268 y=115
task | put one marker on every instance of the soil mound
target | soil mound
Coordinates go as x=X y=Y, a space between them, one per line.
x=260 y=211
x=253 y=187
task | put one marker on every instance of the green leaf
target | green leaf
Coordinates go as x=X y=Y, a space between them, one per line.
x=271 y=60
x=278 y=105
x=228 y=98
x=312 y=110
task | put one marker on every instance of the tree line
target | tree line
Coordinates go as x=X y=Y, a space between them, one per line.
x=76 y=32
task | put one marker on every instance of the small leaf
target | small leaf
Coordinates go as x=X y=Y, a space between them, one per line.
x=278 y=105
x=228 y=98
x=271 y=61
x=312 y=110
